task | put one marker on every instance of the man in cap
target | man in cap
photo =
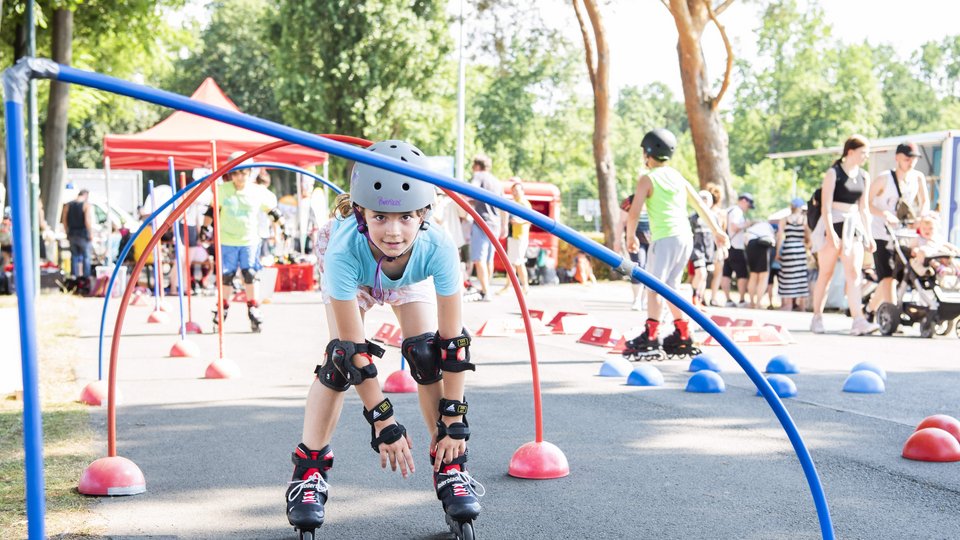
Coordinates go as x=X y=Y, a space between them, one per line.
x=736 y=262
x=896 y=197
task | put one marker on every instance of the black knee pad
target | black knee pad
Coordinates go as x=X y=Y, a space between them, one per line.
x=338 y=371
x=228 y=278
x=328 y=376
x=424 y=358
x=250 y=275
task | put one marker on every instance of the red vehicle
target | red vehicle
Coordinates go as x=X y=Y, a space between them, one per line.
x=545 y=198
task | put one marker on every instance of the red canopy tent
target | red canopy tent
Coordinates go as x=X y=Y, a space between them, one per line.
x=187 y=137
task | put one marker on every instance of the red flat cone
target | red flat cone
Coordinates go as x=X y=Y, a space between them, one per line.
x=95 y=394
x=538 y=461
x=947 y=423
x=184 y=349
x=222 y=369
x=932 y=444
x=138 y=300
x=112 y=476
x=400 y=382
x=158 y=317
x=193 y=327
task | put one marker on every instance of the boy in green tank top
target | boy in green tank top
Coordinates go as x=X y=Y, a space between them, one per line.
x=665 y=193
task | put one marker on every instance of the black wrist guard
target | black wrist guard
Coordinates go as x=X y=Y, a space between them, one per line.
x=456 y=430
x=452 y=407
x=455 y=353
x=342 y=352
x=389 y=434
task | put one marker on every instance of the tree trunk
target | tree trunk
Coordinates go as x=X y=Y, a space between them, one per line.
x=710 y=140
x=55 y=130
x=599 y=69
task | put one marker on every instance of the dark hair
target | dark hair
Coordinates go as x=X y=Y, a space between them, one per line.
x=482 y=162
x=83 y=192
x=852 y=143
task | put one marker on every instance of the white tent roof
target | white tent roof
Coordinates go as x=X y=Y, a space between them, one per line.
x=935 y=137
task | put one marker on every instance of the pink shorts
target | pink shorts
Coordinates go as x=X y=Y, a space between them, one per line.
x=417 y=292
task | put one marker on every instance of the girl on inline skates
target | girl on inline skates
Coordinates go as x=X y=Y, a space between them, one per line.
x=381 y=250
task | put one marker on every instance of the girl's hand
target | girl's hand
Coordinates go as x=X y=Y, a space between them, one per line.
x=448 y=449
x=871 y=245
x=397 y=453
x=634 y=245
x=833 y=238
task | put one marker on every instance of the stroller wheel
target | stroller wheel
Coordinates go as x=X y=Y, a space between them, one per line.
x=943 y=328
x=888 y=317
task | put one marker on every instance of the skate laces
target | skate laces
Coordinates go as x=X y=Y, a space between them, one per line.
x=314 y=481
x=464 y=478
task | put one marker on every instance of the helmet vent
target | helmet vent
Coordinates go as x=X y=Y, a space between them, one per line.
x=405 y=186
x=415 y=152
x=377 y=186
x=403 y=158
x=393 y=146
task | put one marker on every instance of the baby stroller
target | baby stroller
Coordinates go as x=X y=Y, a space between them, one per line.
x=929 y=299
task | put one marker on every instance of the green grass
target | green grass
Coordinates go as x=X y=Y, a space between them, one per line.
x=69 y=440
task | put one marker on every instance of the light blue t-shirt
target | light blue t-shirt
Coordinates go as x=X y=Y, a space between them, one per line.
x=349 y=264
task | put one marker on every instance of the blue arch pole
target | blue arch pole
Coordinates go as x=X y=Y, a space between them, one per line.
x=71 y=75
x=24 y=270
x=177 y=195
x=176 y=253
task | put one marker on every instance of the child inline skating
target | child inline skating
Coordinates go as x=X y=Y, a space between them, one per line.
x=382 y=250
x=665 y=193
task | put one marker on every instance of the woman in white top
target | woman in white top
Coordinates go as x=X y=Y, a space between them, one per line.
x=890 y=188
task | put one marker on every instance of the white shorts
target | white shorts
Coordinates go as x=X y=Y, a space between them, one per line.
x=418 y=292
x=198 y=254
x=517 y=250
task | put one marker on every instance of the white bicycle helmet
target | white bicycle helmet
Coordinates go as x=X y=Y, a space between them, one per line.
x=251 y=172
x=381 y=190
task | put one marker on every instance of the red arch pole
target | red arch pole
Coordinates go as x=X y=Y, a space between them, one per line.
x=138 y=267
x=521 y=299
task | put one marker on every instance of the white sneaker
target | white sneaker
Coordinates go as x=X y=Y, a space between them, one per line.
x=743 y=305
x=730 y=303
x=816 y=325
x=862 y=327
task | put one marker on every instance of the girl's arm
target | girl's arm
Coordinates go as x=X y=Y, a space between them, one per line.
x=350 y=328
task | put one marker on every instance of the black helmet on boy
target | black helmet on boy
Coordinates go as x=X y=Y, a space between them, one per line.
x=659 y=144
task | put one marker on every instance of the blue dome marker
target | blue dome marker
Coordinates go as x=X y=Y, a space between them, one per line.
x=645 y=375
x=782 y=385
x=781 y=365
x=870 y=366
x=616 y=367
x=702 y=362
x=706 y=382
x=864 y=382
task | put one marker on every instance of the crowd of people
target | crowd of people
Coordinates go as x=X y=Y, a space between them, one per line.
x=847 y=218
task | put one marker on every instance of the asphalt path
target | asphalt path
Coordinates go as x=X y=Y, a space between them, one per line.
x=644 y=462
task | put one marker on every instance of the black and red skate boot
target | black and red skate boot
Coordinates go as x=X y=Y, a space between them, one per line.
x=675 y=345
x=458 y=492
x=307 y=492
